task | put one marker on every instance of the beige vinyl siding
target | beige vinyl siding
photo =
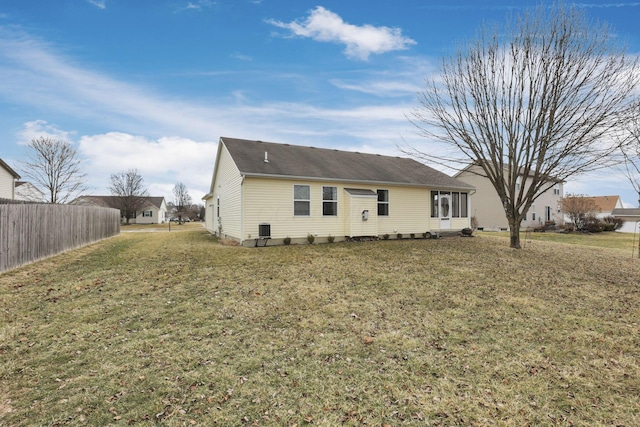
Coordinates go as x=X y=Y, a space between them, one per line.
x=354 y=224
x=408 y=211
x=229 y=189
x=271 y=201
x=6 y=184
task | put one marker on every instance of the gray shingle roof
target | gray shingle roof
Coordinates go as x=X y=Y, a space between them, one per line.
x=295 y=161
x=628 y=212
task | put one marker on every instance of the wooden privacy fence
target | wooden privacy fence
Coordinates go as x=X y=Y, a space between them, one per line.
x=29 y=232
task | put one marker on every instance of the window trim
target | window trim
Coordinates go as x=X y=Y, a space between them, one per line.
x=333 y=201
x=307 y=201
x=383 y=203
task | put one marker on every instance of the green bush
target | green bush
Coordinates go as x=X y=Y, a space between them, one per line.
x=385 y=236
x=399 y=236
x=311 y=238
x=287 y=240
x=330 y=239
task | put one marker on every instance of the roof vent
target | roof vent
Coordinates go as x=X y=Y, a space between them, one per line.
x=266 y=157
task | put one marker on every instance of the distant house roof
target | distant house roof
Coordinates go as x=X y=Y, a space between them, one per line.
x=8 y=168
x=113 y=201
x=604 y=203
x=258 y=158
x=631 y=214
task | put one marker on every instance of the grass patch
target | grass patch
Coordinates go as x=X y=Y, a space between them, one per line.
x=174 y=328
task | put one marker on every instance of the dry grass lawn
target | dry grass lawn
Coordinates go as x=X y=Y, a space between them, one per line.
x=175 y=329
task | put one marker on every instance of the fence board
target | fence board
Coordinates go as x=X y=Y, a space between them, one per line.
x=29 y=232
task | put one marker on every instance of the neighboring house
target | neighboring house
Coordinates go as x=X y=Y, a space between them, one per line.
x=28 y=192
x=264 y=189
x=489 y=210
x=154 y=211
x=603 y=205
x=631 y=218
x=7 y=181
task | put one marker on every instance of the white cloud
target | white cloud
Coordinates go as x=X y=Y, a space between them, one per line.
x=100 y=4
x=360 y=41
x=162 y=162
x=40 y=128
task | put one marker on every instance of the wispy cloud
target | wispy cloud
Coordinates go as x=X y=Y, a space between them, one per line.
x=36 y=75
x=360 y=41
x=196 y=5
x=100 y=4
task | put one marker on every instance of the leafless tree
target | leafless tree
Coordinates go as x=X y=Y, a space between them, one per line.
x=541 y=97
x=131 y=192
x=53 y=165
x=181 y=200
x=579 y=209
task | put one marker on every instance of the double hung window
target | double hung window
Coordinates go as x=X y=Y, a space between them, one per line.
x=301 y=200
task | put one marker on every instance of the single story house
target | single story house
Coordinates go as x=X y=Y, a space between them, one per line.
x=7 y=181
x=488 y=209
x=265 y=192
x=154 y=211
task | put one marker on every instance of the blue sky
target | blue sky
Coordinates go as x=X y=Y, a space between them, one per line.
x=153 y=84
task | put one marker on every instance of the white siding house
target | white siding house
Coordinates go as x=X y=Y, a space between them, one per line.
x=264 y=189
x=7 y=181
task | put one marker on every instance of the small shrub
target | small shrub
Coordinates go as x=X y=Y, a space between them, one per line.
x=399 y=236
x=287 y=240
x=616 y=222
x=311 y=238
x=608 y=227
x=424 y=235
x=413 y=235
x=385 y=236
x=330 y=239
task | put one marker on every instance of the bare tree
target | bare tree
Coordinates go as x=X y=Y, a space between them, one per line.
x=181 y=200
x=131 y=192
x=541 y=97
x=579 y=209
x=53 y=165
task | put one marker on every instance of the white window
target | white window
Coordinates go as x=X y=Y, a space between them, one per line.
x=301 y=200
x=148 y=214
x=330 y=201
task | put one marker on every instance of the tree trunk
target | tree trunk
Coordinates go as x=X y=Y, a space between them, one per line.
x=514 y=227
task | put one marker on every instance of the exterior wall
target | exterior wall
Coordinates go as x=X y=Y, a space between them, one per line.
x=488 y=210
x=6 y=184
x=158 y=216
x=546 y=199
x=227 y=192
x=409 y=211
x=271 y=201
x=354 y=224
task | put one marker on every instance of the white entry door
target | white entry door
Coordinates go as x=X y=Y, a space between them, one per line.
x=445 y=211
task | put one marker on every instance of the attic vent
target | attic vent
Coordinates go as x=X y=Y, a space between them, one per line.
x=266 y=157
